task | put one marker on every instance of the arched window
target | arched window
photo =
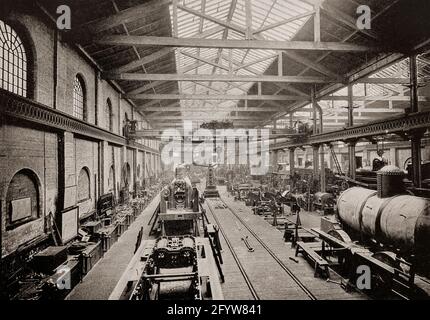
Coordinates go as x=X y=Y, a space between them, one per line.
x=22 y=199
x=109 y=115
x=79 y=99
x=84 y=185
x=125 y=123
x=13 y=61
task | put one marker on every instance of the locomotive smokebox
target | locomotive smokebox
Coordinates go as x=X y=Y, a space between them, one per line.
x=390 y=181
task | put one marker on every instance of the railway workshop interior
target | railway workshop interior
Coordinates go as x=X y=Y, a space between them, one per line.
x=215 y=150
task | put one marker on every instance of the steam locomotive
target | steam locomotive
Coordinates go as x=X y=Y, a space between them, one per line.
x=180 y=263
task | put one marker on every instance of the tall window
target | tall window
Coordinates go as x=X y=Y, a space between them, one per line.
x=13 y=61
x=109 y=115
x=84 y=185
x=79 y=99
x=125 y=123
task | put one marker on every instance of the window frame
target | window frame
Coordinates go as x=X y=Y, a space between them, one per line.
x=109 y=115
x=83 y=98
x=30 y=53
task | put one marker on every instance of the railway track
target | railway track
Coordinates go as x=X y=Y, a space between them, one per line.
x=262 y=248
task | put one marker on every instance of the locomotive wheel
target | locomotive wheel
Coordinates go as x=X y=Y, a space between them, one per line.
x=344 y=185
x=384 y=282
x=389 y=258
x=340 y=235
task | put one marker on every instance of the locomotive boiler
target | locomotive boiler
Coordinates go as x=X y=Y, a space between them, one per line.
x=389 y=216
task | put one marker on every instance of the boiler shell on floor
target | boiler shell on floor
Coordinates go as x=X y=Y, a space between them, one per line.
x=350 y=205
x=405 y=223
x=400 y=221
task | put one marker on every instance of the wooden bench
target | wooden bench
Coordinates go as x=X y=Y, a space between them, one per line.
x=320 y=265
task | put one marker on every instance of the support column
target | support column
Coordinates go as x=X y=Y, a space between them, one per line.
x=157 y=162
x=271 y=158
x=275 y=160
x=103 y=166
x=413 y=83
x=350 y=106
x=275 y=152
x=322 y=176
x=135 y=171
x=315 y=160
x=416 y=158
x=316 y=110
x=291 y=155
x=352 y=162
x=417 y=135
x=351 y=144
x=66 y=171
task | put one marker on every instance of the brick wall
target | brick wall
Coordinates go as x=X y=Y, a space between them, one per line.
x=26 y=148
x=57 y=158
x=86 y=157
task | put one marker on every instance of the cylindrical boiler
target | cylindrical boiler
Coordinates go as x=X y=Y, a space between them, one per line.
x=405 y=223
x=400 y=221
x=350 y=206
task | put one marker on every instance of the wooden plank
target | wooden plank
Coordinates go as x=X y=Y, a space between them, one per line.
x=383 y=80
x=225 y=24
x=127 y=15
x=207 y=61
x=139 y=41
x=219 y=97
x=248 y=19
x=309 y=63
x=145 y=60
x=282 y=22
x=317 y=24
x=216 y=77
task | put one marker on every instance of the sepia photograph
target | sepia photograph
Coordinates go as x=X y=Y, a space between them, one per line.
x=219 y=151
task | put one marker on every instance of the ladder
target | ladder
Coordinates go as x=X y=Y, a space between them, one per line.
x=336 y=162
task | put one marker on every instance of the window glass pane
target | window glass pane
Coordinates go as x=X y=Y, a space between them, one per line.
x=78 y=99
x=13 y=61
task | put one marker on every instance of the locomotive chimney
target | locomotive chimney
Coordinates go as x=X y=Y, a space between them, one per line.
x=390 y=182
